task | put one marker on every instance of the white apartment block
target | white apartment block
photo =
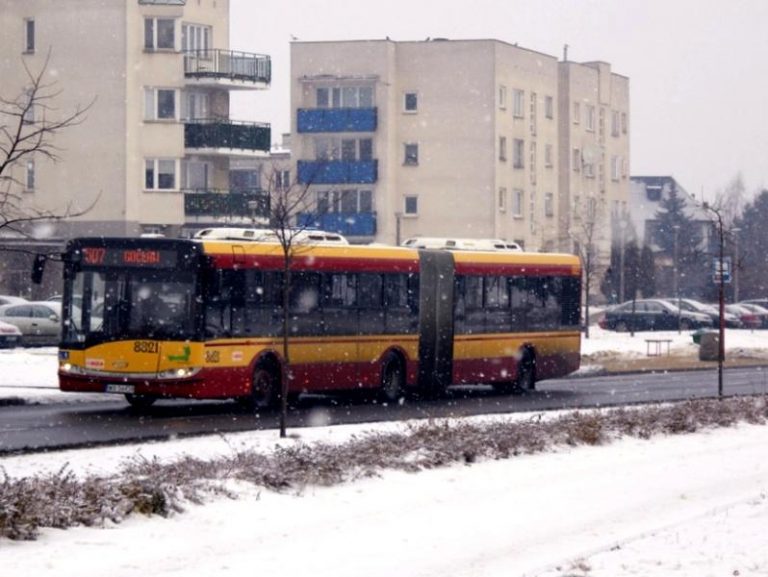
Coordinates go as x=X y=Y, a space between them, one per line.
x=157 y=150
x=465 y=138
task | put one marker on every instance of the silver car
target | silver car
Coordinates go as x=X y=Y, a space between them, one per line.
x=39 y=322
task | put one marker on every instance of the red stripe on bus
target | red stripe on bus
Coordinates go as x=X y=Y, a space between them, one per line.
x=319 y=263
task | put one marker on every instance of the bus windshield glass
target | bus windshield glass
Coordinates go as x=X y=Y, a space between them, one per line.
x=108 y=305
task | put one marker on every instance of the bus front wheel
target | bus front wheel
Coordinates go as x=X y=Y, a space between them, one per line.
x=139 y=401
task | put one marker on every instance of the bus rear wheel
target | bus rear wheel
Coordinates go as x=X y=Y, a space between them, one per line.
x=139 y=401
x=392 y=380
x=526 y=373
x=264 y=393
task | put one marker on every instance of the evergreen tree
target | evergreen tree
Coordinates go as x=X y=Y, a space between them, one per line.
x=609 y=285
x=680 y=237
x=647 y=272
x=632 y=273
x=753 y=248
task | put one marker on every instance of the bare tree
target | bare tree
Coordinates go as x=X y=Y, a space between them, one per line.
x=288 y=201
x=585 y=231
x=29 y=125
x=731 y=200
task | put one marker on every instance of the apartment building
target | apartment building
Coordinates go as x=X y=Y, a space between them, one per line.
x=155 y=150
x=462 y=138
x=594 y=152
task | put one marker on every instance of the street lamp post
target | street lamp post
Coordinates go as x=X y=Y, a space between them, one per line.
x=676 y=269
x=721 y=298
x=735 y=266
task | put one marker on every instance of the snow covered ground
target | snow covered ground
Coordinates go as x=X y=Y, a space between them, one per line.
x=690 y=505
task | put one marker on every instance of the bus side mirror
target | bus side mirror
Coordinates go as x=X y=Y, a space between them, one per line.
x=38 y=266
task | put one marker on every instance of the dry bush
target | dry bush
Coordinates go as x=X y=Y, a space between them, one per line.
x=152 y=487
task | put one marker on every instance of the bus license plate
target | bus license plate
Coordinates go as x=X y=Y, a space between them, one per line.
x=123 y=389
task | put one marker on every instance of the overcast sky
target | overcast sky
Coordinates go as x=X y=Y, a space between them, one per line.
x=698 y=69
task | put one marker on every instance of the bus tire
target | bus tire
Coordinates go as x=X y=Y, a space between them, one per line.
x=264 y=389
x=392 y=380
x=140 y=402
x=526 y=372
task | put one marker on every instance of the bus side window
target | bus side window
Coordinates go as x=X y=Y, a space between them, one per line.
x=369 y=298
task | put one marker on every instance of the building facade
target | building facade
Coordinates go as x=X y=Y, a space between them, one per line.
x=155 y=149
x=467 y=138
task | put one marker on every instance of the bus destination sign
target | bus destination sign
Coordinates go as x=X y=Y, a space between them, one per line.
x=132 y=257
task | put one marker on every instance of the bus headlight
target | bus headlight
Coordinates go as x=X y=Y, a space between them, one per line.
x=71 y=369
x=180 y=373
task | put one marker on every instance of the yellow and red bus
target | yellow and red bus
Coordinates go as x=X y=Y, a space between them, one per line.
x=154 y=318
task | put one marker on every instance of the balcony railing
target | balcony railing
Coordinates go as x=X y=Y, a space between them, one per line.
x=228 y=64
x=225 y=204
x=346 y=223
x=338 y=171
x=337 y=120
x=227 y=134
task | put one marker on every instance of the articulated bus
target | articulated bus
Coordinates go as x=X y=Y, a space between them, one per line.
x=153 y=318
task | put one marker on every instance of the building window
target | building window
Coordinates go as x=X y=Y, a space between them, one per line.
x=282 y=179
x=346 y=201
x=624 y=122
x=503 y=148
x=411 y=205
x=576 y=160
x=576 y=112
x=615 y=123
x=344 y=96
x=29 y=181
x=518 y=160
x=410 y=102
x=411 y=155
x=159 y=34
x=549 y=107
x=590 y=121
x=589 y=170
x=548 y=162
x=549 y=204
x=518 y=104
x=196 y=175
x=195 y=105
x=517 y=203
x=196 y=38
x=346 y=149
x=159 y=104
x=160 y=174
x=503 y=97
x=615 y=168
x=29 y=35
x=29 y=113
x=502 y=200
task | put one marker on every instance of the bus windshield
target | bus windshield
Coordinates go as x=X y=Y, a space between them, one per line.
x=108 y=305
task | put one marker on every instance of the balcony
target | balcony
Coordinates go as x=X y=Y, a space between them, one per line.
x=338 y=171
x=336 y=120
x=227 y=67
x=346 y=223
x=211 y=205
x=227 y=137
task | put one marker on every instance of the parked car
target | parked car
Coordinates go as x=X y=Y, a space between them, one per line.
x=760 y=302
x=732 y=321
x=761 y=312
x=10 y=335
x=652 y=315
x=748 y=318
x=11 y=300
x=39 y=322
